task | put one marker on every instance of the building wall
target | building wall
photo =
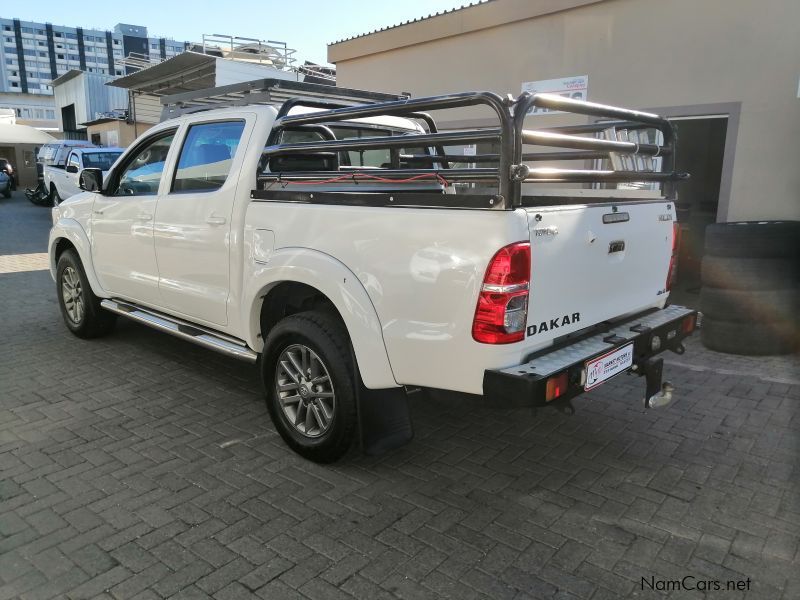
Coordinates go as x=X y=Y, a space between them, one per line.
x=124 y=133
x=90 y=95
x=35 y=110
x=646 y=54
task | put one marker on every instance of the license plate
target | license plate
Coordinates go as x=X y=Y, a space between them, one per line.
x=603 y=368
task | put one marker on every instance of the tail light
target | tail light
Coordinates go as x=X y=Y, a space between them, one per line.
x=673 y=260
x=502 y=311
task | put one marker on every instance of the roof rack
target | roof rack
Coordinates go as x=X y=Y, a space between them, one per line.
x=264 y=91
x=630 y=155
x=620 y=146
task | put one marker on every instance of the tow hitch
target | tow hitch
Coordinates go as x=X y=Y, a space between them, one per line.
x=657 y=394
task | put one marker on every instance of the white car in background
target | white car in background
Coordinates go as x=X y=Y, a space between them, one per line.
x=61 y=180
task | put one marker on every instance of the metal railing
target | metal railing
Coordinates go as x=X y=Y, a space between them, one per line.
x=505 y=169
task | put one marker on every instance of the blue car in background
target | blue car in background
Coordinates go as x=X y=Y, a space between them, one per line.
x=5 y=185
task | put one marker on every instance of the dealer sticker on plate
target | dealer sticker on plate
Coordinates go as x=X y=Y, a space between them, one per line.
x=605 y=367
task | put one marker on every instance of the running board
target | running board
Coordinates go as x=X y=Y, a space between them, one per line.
x=182 y=329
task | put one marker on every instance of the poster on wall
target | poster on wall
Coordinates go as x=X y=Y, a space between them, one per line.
x=576 y=87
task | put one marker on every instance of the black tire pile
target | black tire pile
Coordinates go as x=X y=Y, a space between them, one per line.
x=751 y=287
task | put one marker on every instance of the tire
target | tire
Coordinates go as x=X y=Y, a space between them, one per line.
x=83 y=316
x=301 y=421
x=750 y=273
x=7 y=193
x=754 y=239
x=54 y=199
x=750 y=306
x=751 y=339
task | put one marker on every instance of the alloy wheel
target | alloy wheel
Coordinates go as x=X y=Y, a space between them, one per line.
x=305 y=391
x=72 y=293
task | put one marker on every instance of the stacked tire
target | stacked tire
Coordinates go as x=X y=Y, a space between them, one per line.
x=751 y=287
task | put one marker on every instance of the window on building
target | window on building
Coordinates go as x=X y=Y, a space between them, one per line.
x=43 y=54
x=41 y=43
x=40 y=32
x=26 y=29
x=10 y=40
x=116 y=42
x=154 y=46
x=9 y=61
x=14 y=84
x=6 y=27
x=49 y=113
x=14 y=73
x=57 y=34
x=119 y=72
x=60 y=56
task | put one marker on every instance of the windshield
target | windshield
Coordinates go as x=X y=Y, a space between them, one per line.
x=99 y=160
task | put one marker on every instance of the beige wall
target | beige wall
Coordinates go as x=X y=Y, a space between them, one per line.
x=126 y=133
x=637 y=53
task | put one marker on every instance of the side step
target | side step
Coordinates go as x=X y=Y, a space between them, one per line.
x=182 y=329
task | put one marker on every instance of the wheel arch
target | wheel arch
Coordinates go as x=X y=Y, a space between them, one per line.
x=295 y=280
x=68 y=234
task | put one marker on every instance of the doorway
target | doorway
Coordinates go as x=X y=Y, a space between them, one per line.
x=701 y=152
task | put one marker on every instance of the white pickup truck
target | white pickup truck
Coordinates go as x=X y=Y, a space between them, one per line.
x=335 y=237
x=61 y=179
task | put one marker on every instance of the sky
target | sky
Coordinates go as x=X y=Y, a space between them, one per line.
x=306 y=25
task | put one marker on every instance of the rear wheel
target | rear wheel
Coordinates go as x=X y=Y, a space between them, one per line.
x=7 y=192
x=80 y=308
x=55 y=199
x=310 y=383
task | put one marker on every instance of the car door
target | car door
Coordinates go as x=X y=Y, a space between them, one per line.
x=193 y=220
x=73 y=167
x=122 y=222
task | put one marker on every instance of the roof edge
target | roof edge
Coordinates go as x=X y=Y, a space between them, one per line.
x=469 y=18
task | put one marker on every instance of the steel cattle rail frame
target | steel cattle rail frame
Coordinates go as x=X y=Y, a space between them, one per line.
x=507 y=169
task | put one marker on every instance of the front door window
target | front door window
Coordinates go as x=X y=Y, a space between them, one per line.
x=141 y=175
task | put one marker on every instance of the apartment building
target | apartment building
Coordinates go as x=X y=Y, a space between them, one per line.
x=32 y=55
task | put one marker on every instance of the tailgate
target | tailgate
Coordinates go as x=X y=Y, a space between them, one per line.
x=593 y=263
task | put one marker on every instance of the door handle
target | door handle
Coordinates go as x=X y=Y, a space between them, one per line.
x=213 y=219
x=98 y=212
x=143 y=216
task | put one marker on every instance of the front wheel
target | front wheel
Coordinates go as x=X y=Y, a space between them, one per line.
x=80 y=308
x=310 y=383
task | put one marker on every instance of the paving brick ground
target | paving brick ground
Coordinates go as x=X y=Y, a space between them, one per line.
x=138 y=466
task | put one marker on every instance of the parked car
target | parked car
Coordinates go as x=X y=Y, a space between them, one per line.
x=61 y=182
x=55 y=153
x=7 y=168
x=5 y=185
x=331 y=243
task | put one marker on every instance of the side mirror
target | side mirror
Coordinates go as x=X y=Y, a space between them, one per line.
x=72 y=169
x=91 y=180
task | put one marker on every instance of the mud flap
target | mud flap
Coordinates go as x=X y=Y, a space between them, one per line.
x=384 y=419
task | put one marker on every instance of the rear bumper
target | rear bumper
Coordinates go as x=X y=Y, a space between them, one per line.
x=526 y=384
